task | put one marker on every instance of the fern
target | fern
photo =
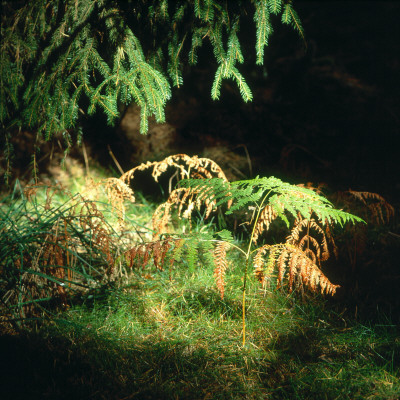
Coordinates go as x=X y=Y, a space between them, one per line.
x=292 y=262
x=271 y=198
x=193 y=248
x=221 y=265
x=203 y=186
x=284 y=198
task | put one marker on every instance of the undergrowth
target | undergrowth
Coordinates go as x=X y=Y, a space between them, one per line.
x=116 y=299
x=156 y=339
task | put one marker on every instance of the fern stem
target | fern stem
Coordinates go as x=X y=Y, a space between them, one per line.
x=247 y=265
x=244 y=307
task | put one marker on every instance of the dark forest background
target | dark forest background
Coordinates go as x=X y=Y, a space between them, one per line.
x=328 y=112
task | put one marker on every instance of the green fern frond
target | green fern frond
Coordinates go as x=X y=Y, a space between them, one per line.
x=283 y=197
x=192 y=256
x=225 y=235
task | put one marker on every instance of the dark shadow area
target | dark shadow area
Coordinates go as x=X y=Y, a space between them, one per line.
x=38 y=367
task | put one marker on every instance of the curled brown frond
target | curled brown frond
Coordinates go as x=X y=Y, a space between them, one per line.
x=377 y=209
x=269 y=213
x=303 y=236
x=221 y=265
x=160 y=219
x=92 y=221
x=293 y=265
x=186 y=200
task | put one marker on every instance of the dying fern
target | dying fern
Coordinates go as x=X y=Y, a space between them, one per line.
x=291 y=263
x=185 y=200
x=202 y=185
x=192 y=249
x=374 y=208
x=270 y=198
x=310 y=237
x=221 y=265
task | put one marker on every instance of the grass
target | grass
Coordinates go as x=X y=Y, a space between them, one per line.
x=156 y=339
x=155 y=335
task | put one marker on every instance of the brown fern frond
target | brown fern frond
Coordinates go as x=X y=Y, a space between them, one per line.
x=378 y=209
x=292 y=264
x=304 y=245
x=53 y=258
x=258 y=263
x=30 y=191
x=187 y=167
x=302 y=236
x=176 y=251
x=187 y=199
x=117 y=192
x=202 y=173
x=221 y=265
x=202 y=163
x=160 y=219
x=156 y=250
x=281 y=263
x=160 y=250
x=330 y=238
x=92 y=221
x=268 y=214
x=161 y=216
x=139 y=254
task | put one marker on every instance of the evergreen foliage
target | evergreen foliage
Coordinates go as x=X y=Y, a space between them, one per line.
x=62 y=59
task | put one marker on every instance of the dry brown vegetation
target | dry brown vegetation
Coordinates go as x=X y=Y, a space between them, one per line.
x=50 y=268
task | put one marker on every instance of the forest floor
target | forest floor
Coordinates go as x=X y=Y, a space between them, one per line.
x=151 y=334
x=326 y=116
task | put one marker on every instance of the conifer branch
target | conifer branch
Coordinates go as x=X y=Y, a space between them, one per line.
x=62 y=55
